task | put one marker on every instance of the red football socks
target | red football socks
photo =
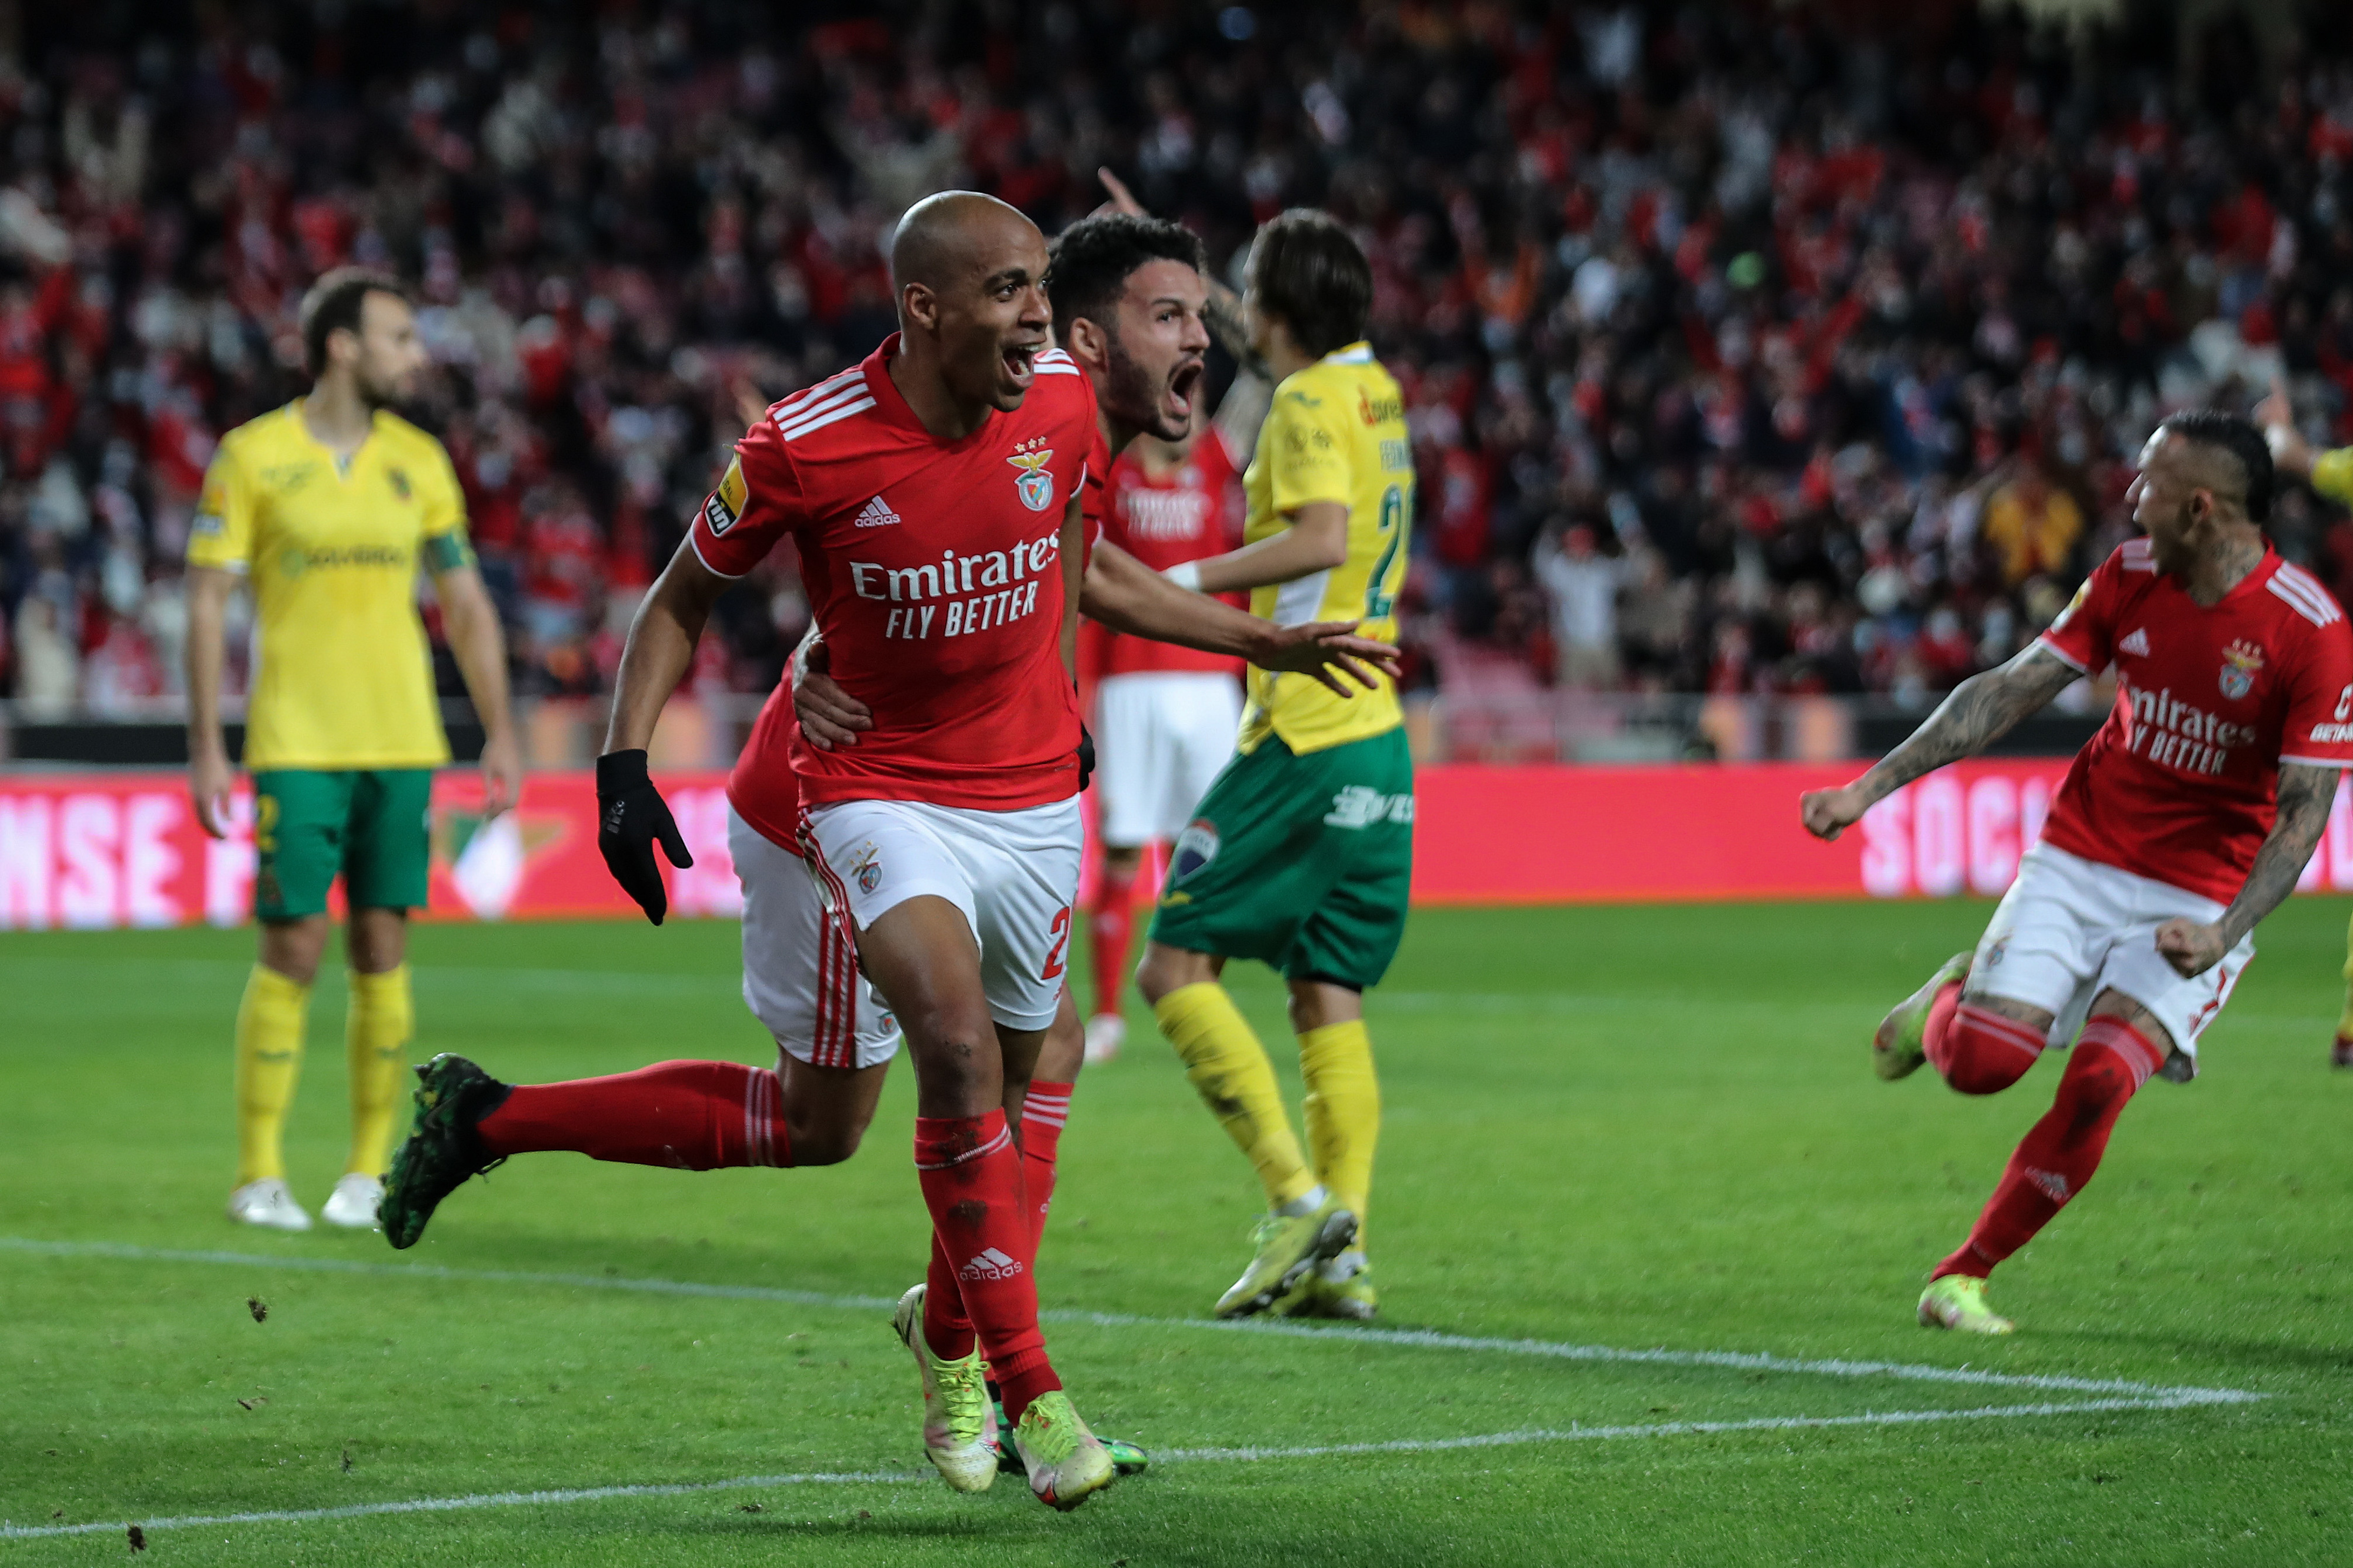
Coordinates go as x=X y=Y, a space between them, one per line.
x=690 y=1116
x=2059 y=1154
x=1110 y=924
x=1977 y=1051
x=982 y=1233
x=1043 y=1113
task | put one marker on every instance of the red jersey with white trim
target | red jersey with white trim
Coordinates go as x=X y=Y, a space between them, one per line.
x=762 y=786
x=1187 y=514
x=2181 y=784
x=934 y=571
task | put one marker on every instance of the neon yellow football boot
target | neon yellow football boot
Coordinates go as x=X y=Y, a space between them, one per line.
x=1897 y=1051
x=959 y=1421
x=1067 y=1464
x=1341 y=1289
x=1289 y=1248
x=1957 y=1302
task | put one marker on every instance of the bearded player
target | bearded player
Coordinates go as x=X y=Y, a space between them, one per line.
x=2180 y=825
x=798 y=974
x=2331 y=473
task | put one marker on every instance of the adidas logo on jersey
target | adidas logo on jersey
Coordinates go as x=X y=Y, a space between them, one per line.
x=2135 y=641
x=876 y=513
x=992 y=1264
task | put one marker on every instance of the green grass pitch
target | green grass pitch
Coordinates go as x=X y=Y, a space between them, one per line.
x=1626 y=1128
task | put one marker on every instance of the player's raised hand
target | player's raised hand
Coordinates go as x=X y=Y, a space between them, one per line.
x=1830 y=812
x=1122 y=200
x=1326 y=650
x=2191 y=946
x=829 y=716
x=2276 y=415
x=631 y=818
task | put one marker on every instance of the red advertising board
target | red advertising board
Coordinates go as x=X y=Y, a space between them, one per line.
x=95 y=850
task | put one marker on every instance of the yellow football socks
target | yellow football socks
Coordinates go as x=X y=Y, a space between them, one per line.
x=1342 y=1110
x=2345 y=1020
x=1229 y=1068
x=269 y=1059
x=377 y=1033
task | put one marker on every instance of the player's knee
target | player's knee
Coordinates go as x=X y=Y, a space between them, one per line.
x=1983 y=1062
x=1167 y=969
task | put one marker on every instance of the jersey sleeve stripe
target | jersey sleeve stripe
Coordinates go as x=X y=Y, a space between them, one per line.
x=2301 y=601
x=1042 y=368
x=707 y=566
x=2306 y=584
x=787 y=420
x=822 y=420
x=2062 y=655
x=2315 y=761
x=799 y=401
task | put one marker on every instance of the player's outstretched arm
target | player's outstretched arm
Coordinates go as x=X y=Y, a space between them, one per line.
x=631 y=816
x=1315 y=540
x=1128 y=597
x=2306 y=795
x=1980 y=710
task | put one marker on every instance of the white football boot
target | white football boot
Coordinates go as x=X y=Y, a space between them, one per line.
x=1106 y=1032
x=353 y=1203
x=267 y=1203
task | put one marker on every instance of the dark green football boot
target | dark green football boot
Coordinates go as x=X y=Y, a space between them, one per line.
x=443 y=1150
x=1126 y=1458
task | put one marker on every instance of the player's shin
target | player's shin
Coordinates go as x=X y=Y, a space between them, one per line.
x=1230 y=1069
x=1341 y=1110
x=269 y=1023
x=377 y=1033
x=688 y=1116
x=1111 y=924
x=2060 y=1153
x=971 y=1176
x=1044 y=1111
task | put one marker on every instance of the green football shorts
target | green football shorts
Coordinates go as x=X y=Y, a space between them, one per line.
x=372 y=824
x=1303 y=863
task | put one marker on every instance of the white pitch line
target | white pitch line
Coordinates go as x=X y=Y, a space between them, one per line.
x=1174 y=1455
x=1410 y=1338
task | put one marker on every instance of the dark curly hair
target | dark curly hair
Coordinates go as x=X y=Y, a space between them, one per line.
x=1091 y=261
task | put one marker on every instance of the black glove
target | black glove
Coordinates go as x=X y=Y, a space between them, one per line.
x=1086 y=757
x=630 y=817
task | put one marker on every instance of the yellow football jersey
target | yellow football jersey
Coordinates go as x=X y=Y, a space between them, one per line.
x=1336 y=432
x=344 y=674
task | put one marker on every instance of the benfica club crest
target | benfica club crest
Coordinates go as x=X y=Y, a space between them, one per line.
x=1034 y=483
x=2242 y=661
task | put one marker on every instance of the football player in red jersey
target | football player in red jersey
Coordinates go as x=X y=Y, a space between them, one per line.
x=1166 y=717
x=805 y=469
x=2180 y=825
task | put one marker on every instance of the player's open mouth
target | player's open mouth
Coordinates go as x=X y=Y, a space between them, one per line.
x=1019 y=362
x=1183 y=383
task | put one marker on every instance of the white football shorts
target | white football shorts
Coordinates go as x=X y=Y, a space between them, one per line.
x=800 y=970
x=2070 y=928
x=1014 y=874
x=1161 y=737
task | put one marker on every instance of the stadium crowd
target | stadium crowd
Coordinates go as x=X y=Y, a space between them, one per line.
x=1736 y=363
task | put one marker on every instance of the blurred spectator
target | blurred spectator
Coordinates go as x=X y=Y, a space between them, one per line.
x=1583 y=585
x=1843 y=322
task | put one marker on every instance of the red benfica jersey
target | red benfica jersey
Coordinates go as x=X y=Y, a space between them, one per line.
x=2180 y=784
x=761 y=787
x=1188 y=514
x=934 y=571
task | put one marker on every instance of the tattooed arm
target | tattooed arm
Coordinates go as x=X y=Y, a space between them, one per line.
x=1980 y=710
x=2306 y=794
